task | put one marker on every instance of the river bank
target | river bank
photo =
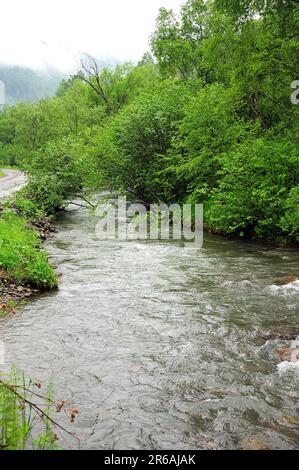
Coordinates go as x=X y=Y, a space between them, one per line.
x=18 y=282
x=24 y=269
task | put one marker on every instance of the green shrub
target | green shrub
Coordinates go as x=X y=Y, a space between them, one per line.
x=132 y=151
x=27 y=208
x=290 y=221
x=209 y=129
x=54 y=176
x=255 y=197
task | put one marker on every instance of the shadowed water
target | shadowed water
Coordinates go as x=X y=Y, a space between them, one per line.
x=161 y=347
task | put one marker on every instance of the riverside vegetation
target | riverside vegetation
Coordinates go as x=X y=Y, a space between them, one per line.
x=22 y=403
x=205 y=117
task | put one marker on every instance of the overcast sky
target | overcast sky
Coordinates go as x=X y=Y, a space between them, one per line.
x=42 y=33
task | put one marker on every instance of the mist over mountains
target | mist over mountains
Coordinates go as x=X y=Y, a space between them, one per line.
x=23 y=84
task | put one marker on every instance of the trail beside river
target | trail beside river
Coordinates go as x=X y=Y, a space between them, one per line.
x=11 y=182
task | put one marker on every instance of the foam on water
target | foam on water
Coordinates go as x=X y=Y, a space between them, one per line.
x=288 y=366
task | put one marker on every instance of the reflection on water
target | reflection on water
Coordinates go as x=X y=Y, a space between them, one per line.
x=163 y=348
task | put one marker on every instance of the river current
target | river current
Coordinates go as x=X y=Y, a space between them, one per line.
x=164 y=348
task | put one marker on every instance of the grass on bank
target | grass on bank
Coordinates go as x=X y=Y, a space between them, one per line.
x=21 y=254
x=18 y=412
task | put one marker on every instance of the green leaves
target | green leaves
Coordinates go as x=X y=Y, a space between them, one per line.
x=212 y=122
x=290 y=221
x=255 y=190
x=177 y=40
x=55 y=175
x=21 y=255
x=132 y=151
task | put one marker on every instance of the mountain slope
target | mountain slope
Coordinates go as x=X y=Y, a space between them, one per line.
x=24 y=84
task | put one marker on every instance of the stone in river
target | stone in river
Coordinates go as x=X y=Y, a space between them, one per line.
x=288 y=354
x=284 y=281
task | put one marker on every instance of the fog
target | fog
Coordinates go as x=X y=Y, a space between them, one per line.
x=53 y=33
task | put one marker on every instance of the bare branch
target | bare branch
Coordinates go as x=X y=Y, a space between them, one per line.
x=90 y=74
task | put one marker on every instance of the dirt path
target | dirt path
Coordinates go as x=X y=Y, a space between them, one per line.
x=11 y=182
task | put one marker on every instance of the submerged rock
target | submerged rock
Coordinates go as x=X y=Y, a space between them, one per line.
x=288 y=354
x=284 y=281
x=254 y=444
x=281 y=334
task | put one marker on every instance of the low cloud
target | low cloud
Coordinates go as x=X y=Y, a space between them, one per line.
x=52 y=33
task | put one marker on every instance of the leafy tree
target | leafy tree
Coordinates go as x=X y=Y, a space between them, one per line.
x=147 y=59
x=55 y=176
x=177 y=40
x=206 y=118
x=132 y=151
x=210 y=128
x=256 y=187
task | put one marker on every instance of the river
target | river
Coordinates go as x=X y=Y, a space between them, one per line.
x=163 y=348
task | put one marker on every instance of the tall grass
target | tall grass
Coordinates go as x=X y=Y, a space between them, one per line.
x=26 y=415
x=21 y=254
x=16 y=417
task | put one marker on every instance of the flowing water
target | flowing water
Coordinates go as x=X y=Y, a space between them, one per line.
x=164 y=348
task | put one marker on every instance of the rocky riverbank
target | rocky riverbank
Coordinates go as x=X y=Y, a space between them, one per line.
x=13 y=295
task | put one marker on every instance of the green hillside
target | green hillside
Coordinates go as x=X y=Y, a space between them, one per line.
x=23 y=84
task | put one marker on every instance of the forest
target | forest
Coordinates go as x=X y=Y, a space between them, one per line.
x=24 y=84
x=205 y=117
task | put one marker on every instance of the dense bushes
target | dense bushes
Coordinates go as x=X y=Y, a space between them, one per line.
x=290 y=220
x=170 y=146
x=211 y=122
x=132 y=151
x=256 y=182
x=209 y=130
x=54 y=176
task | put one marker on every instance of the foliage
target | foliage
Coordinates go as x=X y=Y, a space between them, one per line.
x=54 y=176
x=20 y=253
x=290 y=221
x=236 y=149
x=15 y=420
x=255 y=188
x=210 y=128
x=206 y=116
x=131 y=152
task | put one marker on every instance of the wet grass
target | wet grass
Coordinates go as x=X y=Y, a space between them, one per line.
x=21 y=254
